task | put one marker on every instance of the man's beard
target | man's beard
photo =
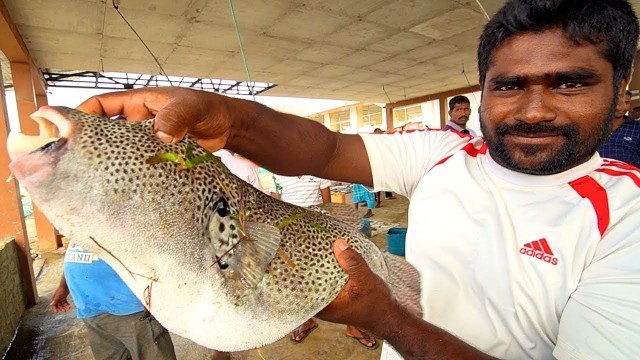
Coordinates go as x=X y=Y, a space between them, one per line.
x=577 y=148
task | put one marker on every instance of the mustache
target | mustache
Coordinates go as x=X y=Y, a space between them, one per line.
x=522 y=128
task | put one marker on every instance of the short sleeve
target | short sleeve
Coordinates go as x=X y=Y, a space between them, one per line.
x=398 y=161
x=324 y=184
x=602 y=317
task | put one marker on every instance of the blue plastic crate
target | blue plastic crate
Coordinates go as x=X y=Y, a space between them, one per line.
x=395 y=240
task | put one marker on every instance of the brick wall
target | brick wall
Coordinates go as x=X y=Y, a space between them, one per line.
x=12 y=301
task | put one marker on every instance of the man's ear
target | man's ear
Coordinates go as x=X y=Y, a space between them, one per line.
x=620 y=107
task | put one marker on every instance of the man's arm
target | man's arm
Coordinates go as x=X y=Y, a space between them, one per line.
x=59 y=299
x=367 y=302
x=283 y=143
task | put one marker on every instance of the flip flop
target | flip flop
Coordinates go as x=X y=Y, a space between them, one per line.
x=362 y=340
x=304 y=333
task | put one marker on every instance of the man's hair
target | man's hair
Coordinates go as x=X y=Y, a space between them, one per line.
x=611 y=25
x=458 y=99
x=629 y=93
x=636 y=108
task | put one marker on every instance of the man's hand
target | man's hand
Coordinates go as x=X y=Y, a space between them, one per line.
x=205 y=116
x=364 y=299
x=59 y=302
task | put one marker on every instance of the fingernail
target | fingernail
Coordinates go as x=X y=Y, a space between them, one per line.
x=342 y=245
x=164 y=137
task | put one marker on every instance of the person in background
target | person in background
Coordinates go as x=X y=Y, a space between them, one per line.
x=635 y=113
x=118 y=325
x=240 y=167
x=526 y=240
x=306 y=191
x=459 y=112
x=361 y=194
x=624 y=142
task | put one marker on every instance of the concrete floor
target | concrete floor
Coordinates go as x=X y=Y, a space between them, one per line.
x=44 y=335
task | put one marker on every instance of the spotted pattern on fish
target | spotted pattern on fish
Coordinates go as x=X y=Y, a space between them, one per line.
x=163 y=226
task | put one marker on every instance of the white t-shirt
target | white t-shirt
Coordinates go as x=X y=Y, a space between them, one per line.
x=519 y=266
x=303 y=191
x=240 y=167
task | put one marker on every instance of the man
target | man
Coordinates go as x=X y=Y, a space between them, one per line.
x=459 y=112
x=240 y=167
x=527 y=241
x=118 y=326
x=303 y=190
x=635 y=113
x=624 y=142
x=306 y=191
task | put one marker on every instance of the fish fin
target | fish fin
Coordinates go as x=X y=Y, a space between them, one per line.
x=254 y=252
x=404 y=281
x=344 y=213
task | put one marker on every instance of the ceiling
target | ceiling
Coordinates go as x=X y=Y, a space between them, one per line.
x=362 y=50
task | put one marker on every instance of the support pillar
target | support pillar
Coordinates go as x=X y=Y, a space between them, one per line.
x=443 y=111
x=26 y=102
x=389 y=111
x=12 y=223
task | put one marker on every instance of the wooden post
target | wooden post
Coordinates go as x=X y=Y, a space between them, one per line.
x=389 y=111
x=12 y=223
x=444 y=111
x=26 y=101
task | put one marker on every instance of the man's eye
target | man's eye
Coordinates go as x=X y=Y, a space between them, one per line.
x=507 y=88
x=570 y=85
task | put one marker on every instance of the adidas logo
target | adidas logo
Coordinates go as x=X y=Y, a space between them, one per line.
x=539 y=249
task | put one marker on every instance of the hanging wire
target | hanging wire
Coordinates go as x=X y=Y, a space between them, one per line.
x=116 y=6
x=469 y=84
x=483 y=10
x=385 y=92
x=244 y=56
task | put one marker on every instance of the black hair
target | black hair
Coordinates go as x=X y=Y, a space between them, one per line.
x=629 y=93
x=609 y=24
x=636 y=108
x=458 y=99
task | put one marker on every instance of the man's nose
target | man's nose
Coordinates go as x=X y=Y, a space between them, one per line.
x=534 y=106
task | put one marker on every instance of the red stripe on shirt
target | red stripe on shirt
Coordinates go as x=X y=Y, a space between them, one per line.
x=589 y=189
x=621 y=164
x=545 y=246
x=473 y=151
x=614 y=172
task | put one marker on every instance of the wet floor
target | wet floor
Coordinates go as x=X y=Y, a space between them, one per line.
x=44 y=335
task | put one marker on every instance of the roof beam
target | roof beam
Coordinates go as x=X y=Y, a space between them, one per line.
x=425 y=98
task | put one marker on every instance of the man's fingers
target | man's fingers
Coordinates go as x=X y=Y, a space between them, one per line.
x=350 y=261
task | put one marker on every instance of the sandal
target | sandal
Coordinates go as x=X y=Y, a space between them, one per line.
x=363 y=340
x=302 y=332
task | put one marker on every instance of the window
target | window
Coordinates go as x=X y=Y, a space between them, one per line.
x=317 y=118
x=340 y=120
x=371 y=115
x=407 y=114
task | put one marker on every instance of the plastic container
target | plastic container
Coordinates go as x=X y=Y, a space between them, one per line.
x=338 y=198
x=395 y=240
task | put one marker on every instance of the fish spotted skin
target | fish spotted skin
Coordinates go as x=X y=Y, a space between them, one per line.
x=169 y=232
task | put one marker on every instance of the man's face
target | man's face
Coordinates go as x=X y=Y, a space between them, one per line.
x=460 y=114
x=623 y=107
x=547 y=103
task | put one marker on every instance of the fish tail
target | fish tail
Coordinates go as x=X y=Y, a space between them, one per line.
x=404 y=281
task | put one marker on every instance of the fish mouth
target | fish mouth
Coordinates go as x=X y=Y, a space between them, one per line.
x=54 y=128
